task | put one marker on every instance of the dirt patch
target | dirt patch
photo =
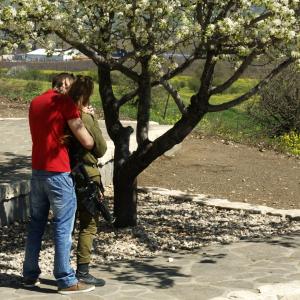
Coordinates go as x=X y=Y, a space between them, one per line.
x=227 y=170
x=217 y=168
x=13 y=108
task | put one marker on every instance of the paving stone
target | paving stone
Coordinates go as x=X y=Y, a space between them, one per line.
x=195 y=292
x=292 y=277
x=281 y=289
x=239 y=284
x=291 y=297
x=88 y=296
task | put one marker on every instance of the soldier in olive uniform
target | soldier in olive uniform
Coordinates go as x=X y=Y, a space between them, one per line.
x=80 y=92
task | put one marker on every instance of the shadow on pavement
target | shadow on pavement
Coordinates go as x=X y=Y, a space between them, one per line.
x=212 y=258
x=287 y=241
x=15 y=282
x=14 y=167
x=143 y=273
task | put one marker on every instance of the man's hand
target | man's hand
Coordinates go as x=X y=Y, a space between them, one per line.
x=89 y=109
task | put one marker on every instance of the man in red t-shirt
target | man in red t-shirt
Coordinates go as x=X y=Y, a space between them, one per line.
x=51 y=183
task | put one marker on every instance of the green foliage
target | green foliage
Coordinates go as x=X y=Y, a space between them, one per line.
x=180 y=82
x=23 y=72
x=122 y=84
x=32 y=86
x=290 y=142
x=194 y=84
x=241 y=86
x=20 y=89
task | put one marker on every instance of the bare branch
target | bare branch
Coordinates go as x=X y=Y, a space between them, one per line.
x=254 y=90
x=176 y=71
x=175 y=95
x=126 y=98
x=82 y=48
x=207 y=76
x=144 y=102
x=221 y=88
x=125 y=70
x=260 y=18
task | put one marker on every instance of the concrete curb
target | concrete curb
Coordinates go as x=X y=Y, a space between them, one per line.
x=292 y=214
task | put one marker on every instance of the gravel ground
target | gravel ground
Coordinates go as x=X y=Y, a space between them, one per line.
x=165 y=224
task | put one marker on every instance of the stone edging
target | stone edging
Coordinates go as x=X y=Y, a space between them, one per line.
x=292 y=214
x=12 y=190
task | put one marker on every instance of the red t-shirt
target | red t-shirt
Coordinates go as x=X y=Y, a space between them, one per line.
x=48 y=116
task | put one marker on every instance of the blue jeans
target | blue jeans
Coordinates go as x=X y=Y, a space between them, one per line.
x=56 y=191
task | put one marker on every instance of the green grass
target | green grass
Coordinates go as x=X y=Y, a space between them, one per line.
x=20 y=89
x=233 y=123
x=23 y=89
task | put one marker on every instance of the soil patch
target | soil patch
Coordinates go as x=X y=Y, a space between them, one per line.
x=227 y=170
x=15 y=108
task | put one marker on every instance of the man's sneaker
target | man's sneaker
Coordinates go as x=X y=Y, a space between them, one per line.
x=87 y=278
x=79 y=287
x=30 y=283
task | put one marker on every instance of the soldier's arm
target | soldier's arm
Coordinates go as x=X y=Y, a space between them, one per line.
x=80 y=132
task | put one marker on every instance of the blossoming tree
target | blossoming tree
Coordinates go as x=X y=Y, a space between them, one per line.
x=239 y=31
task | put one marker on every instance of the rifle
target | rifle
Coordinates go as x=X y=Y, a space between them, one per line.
x=94 y=200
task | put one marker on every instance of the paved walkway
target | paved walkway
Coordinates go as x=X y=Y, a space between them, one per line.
x=256 y=270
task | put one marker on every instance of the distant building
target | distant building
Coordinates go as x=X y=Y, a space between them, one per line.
x=6 y=57
x=57 y=55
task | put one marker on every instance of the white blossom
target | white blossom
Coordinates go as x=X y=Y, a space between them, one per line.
x=155 y=27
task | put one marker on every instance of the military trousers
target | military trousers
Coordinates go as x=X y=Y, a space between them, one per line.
x=87 y=229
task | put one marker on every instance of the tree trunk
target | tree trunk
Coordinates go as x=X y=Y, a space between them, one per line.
x=127 y=166
x=125 y=201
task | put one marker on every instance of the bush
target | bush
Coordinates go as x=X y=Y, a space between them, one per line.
x=278 y=109
x=290 y=142
x=32 y=87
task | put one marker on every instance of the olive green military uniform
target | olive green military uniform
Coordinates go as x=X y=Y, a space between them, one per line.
x=88 y=223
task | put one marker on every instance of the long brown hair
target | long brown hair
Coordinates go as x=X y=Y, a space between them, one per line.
x=81 y=90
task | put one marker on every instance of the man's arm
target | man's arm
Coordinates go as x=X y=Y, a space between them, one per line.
x=80 y=132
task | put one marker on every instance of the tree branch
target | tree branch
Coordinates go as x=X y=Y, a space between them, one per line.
x=175 y=95
x=126 y=98
x=176 y=71
x=206 y=79
x=224 y=11
x=254 y=90
x=221 y=88
x=164 y=78
x=127 y=71
x=149 y=151
x=82 y=48
x=144 y=101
